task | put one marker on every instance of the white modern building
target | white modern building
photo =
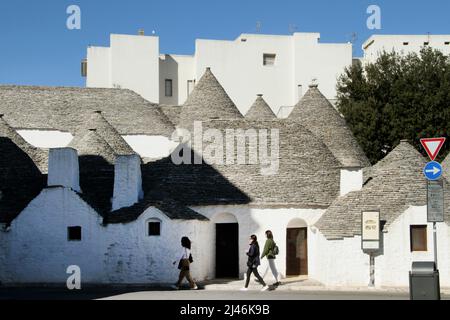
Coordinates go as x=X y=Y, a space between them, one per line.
x=404 y=44
x=279 y=66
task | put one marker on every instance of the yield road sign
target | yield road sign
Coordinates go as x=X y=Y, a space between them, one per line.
x=432 y=146
x=433 y=170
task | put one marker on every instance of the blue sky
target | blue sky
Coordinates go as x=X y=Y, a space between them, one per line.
x=36 y=48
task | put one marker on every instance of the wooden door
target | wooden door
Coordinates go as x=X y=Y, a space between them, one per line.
x=297 y=252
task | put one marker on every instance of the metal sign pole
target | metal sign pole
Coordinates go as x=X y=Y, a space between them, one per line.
x=435 y=245
x=372 y=271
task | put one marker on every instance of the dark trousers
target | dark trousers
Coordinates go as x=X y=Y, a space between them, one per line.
x=255 y=272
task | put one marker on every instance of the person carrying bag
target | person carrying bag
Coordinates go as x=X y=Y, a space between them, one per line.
x=184 y=265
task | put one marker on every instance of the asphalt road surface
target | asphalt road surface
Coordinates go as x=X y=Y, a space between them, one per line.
x=142 y=294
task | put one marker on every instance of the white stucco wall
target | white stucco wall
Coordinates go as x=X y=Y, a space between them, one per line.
x=46 y=138
x=39 y=251
x=239 y=68
x=324 y=62
x=36 y=249
x=134 y=62
x=99 y=67
x=154 y=147
x=377 y=43
x=343 y=263
x=127 y=181
x=256 y=221
x=135 y=65
x=63 y=168
x=351 y=180
x=132 y=256
x=180 y=69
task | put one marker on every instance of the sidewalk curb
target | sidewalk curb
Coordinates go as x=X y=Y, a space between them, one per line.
x=299 y=288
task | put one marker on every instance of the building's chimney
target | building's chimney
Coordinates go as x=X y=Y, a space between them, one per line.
x=141 y=32
x=63 y=168
x=127 y=181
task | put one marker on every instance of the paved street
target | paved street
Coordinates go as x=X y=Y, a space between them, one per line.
x=166 y=294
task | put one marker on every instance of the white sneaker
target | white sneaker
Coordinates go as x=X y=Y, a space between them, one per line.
x=194 y=288
x=174 y=287
x=265 y=288
x=243 y=289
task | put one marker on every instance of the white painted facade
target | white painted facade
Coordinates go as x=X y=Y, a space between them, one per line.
x=36 y=249
x=238 y=65
x=343 y=263
x=46 y=139
x=127 y=181
x=404 y=44
x=131 y=62
x=152 y=147
x=134 y=62
x=256 y=221
x=351 y=180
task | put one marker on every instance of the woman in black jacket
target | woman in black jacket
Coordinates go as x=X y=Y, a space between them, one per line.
x=253 y=263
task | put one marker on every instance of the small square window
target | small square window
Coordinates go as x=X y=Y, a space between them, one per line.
x=426 y=43
x=405 y=43
x=154 y=229
x=169 y=88
x=74 y=233
x=418 y=238
x=269 y=59
x=447 y=43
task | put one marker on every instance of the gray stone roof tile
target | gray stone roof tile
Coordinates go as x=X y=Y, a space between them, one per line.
x=207 y=101
x=260 y=110
x=68 y=109
x=395 y=183
x=318 y=115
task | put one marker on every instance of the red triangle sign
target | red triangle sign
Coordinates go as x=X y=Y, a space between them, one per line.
x=433 y=146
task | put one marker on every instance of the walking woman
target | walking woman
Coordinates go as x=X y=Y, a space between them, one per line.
x=184 y=263
x=253 y=263
x=270 y=251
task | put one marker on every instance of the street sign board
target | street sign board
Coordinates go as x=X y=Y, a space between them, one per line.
x=370 y=233
x=433 y=170
x=435 y=200
x=432 y=146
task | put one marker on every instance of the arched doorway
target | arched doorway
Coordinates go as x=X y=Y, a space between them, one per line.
x=227 y=246
x=297 y=248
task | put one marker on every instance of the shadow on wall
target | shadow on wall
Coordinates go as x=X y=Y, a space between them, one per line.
x=190 y=184
x=97 y=182
x=20 y=180
x=169 y=82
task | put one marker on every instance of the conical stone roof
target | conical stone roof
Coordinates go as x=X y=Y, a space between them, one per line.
x=207 y=101
x=39 y=156
x=90 y=144
x=260 y=110
x=316 y=113
x=106 y=131
x=395 y=184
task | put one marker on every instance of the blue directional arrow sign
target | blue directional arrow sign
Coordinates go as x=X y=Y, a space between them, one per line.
x=433 y=170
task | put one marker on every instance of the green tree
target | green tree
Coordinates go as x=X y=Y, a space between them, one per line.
x=397 y=97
